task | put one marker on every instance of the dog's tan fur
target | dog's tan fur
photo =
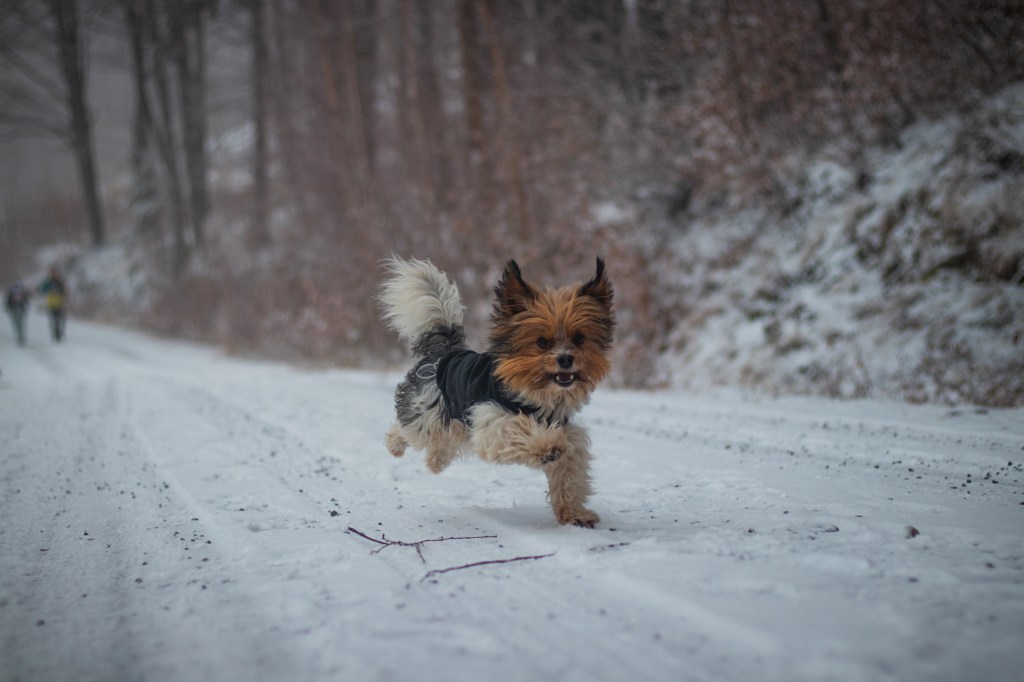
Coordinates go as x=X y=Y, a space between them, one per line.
x=532 y=333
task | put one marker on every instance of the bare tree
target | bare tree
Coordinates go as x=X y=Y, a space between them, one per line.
x=429 y=101
x=507 y=126
x=412 y=119
x=187 y=37
x=34 y=96
x=145 y=191
x=164 y=130
x=260 y=234
x=70 y=43
x=472 y=77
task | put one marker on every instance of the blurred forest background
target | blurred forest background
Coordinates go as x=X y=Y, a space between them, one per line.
x=815 y=196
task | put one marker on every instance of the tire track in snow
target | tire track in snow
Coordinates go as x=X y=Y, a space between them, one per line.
x=273 y=535
x=92 y=551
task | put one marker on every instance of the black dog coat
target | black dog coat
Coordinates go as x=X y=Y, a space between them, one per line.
x=466 y=378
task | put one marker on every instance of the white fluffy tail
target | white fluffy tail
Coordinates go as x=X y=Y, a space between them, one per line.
x=419 y=298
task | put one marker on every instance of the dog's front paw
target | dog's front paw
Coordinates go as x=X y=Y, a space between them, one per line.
x=579 y=516
x=552 y=455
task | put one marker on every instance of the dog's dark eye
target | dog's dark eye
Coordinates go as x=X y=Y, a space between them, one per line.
x=578 y=339
x=544 y=343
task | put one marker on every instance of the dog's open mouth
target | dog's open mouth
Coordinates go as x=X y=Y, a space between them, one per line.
x=564 y=378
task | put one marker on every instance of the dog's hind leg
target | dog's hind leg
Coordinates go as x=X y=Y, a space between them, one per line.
x=394 y=440
x=444 y=446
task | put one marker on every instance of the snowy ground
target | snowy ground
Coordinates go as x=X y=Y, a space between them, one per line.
x=170 y=514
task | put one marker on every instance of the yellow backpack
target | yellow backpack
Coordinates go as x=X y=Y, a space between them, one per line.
x=54 y=300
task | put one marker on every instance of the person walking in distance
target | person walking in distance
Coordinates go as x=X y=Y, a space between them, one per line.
x=55 y=291
x=16 y=303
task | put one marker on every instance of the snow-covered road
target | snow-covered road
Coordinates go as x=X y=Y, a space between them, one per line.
x=167 y=513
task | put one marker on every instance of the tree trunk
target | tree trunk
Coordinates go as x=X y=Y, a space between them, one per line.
x=167 y=140
x=414 y=122
x=472 y=84
x=343 y=179
x=72 y=60
x=260 y=234
x=359 y=125
x=282 y=107
x=145 y=190
x=189 y=58
x=361 y=137
x=201 y=198
x=364 y=42
x=430 y=108
x=510 y=142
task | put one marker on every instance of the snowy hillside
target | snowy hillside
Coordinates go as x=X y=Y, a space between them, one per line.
x=900 y=278
x=170 y=514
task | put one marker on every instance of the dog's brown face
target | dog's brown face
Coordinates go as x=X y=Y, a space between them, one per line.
x=552 y=346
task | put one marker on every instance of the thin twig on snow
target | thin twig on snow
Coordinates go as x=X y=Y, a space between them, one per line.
x=439 y=571
x=418 y=545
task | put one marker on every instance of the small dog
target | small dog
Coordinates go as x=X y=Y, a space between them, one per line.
x=513 y=404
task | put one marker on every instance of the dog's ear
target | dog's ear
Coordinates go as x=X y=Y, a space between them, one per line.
x=512 y=293
x=600 y=287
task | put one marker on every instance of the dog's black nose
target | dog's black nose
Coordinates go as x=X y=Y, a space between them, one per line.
x=565 y=360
